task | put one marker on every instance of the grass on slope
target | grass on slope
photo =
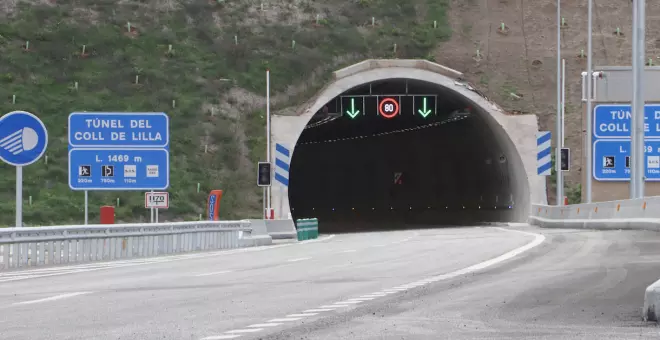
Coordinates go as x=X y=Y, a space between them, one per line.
x=205 y=64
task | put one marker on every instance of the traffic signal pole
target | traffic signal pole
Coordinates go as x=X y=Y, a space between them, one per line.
x=267 y=189
x=559 y=143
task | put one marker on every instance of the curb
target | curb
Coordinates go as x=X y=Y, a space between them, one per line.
x=652 y=302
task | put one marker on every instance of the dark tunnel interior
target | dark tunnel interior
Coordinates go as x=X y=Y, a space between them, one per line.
x=399 y=154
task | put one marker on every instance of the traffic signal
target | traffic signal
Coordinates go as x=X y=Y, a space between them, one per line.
x=565 y=159
x=263 y=176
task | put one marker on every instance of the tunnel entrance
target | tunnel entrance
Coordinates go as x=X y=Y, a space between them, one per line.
x=399 y=152
x=391 y=144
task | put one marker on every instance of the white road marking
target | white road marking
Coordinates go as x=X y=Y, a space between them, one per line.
x=379 y=245
x=52 y=298
x=300 y=315
x=247 y=330
x=299 y=259
x=214 y=273
x=272 y=324
x=284 y=320
x=349 y=251
x=221 y=337
x=538 y=239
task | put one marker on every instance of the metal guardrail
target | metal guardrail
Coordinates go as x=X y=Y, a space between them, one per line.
x=39 y=246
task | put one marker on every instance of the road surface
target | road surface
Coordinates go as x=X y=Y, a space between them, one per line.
x=458 y=283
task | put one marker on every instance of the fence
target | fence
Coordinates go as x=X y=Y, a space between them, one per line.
x=31 y=247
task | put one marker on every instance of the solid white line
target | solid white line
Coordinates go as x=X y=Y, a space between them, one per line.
x=379 y=245
x=349 y=301
x=52 y=298
x=334 y=306
x=272 y=324
x=374 y=295
x=317 y=310
x=214 y=273
x=349 y=251
x=299 y=259
x=284 y=319
x=362 y=299
x=300 y=315
x=220 y=337
x=247 y=330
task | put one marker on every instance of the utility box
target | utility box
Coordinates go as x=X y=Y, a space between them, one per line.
x=107 y=214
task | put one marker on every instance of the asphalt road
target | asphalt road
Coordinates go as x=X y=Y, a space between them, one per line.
x=462 y=283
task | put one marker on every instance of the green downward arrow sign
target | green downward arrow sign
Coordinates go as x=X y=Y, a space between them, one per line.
x=352 y=112
x=424 y=111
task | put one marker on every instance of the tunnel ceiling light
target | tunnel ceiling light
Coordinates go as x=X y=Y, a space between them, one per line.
x=450 y=120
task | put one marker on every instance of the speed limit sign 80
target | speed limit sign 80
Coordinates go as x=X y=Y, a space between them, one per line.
x=388 y=107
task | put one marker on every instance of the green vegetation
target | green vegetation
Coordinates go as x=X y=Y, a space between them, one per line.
x=210 y=83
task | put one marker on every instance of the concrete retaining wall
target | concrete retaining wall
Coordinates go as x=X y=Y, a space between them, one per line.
x=623 y=214
x=281 y=229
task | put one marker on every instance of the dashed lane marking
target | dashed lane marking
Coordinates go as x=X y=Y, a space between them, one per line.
x=214 y=273
x=301 y=315
x=260 y=325
x=299 y=259
x=52 y=298
x=284 y=320
x=221 y=337
x=538 y=239
x=245 y=330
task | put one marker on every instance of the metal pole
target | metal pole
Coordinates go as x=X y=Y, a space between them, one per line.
x=563 y=102
x=633 y=105
x=268 y=134
x=588 y=143
x=151 y=211
x=156 y=212
x=19 y=196
x=638 y=79
x=558 y=173
x=86 y=207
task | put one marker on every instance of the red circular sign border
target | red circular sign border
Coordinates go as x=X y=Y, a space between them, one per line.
x=384 y=101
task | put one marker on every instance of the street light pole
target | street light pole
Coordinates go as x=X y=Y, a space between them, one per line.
x=559 y=175
x=637 y=166
x=588 y=143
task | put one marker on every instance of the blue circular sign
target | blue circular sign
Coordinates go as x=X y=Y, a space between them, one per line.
x=23 y=138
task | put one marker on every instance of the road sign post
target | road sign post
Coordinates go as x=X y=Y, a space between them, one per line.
x=23 y=140
x=118 y=151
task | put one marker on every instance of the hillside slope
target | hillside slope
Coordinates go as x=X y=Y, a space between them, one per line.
x=523 y=61
x=201 y=61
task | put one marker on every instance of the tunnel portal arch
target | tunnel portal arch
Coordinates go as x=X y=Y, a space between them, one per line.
x=516 y=133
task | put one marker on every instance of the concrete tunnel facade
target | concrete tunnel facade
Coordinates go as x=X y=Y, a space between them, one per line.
x=516 y=135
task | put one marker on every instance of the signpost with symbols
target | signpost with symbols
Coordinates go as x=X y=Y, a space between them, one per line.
x=118 y=151
x=23 y=140
x=389 y=106
x=612 y=160
x=611 y=132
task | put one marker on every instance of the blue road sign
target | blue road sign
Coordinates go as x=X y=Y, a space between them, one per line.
x=126 y=129
x=612 y=162
x=23 y=138
x=613 y=121
x=114 y=169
